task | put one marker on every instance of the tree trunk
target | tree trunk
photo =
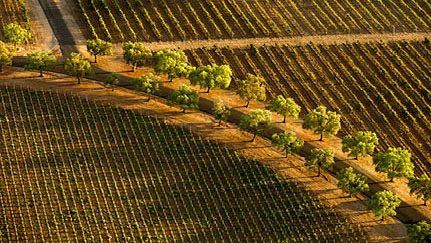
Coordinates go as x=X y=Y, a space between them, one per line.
x=383 y=218
x=318 y=171
x=219 y=123
x=248 y=103
x=284 y=120
x=350 y=194
x=425 y=202
x=171 y=78
x=95 y=58
x=356 y=158
x=391 y=180
x=254 y=137
x=208 y=90
x=40 y=72
x=321 y=137
x=133 y=68
x=149 y=97
x=79 y=80
x=184 y=110
x=112 y=88
x=1 y=68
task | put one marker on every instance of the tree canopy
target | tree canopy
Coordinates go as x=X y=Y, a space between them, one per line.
x=136 y=54
x=77 y=66
x=395 y=162
x=284 y=106
x=360 y=144
x=39 y=61
x=98 y=47
x=211 y=76
x=185 y=97
x=383 y=203
x=421 y=186
x=287 y=142
x=256 y=121
x=252 y=88
x=322 y=121
x=221 y=112
x=112 y=80
x=174 y=63
x=351 y=182
x=5 y=56
x=15 y=34
x=419 y=232
x=320 y=159
x=148 y=83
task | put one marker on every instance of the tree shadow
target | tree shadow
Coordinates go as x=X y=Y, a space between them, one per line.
x=257 y=147
x=377 y=182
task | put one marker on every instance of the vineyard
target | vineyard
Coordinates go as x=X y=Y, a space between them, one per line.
x=75 y=170
x=13 y=11
x=380 y=87
x=168 y=20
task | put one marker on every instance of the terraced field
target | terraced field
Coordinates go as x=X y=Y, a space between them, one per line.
x=381 y=87
x=75 y=170
x=154 y=20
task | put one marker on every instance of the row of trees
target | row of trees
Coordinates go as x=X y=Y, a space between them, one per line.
x=395 y=162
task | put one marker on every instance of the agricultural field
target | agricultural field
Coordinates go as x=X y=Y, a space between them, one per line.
x=13 y=11
x=75 y=170
x=169 y=20
x=380 y=87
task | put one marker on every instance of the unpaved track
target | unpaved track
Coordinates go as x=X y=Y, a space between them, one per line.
x=391 y=230
x=296 y=40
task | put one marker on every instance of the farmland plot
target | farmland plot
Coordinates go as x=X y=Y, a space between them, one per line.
x=154 y=20
x=381 y=87
x=75 y=170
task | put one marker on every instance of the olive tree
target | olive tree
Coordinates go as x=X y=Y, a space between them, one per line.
x=320 y=159
x=351 y=182
x=112 y=80
x=287 y=142
x=40 y=60
x=383 y=203
x=395 y=162
x=360 y=144
x=421 y=186
x=221 y=112
x=77 y=66
x=5 y=56
x=419 y=232
x=252 y=88
x=322 y=121
x=15 y=34
x=256 y=121
x=211 y=76
x=174 y=63
x=284 y=106
x=136 y=54
x=148 y=83
x=98 y=47
x=185 y=97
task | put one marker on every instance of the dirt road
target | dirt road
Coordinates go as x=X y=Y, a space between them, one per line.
x=296 y=40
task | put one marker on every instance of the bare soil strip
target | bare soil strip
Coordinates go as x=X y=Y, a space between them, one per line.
x=391 y=230
x=297 y=40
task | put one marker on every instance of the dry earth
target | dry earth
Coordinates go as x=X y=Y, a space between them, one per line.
x=391 y=230
x=297 y=40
